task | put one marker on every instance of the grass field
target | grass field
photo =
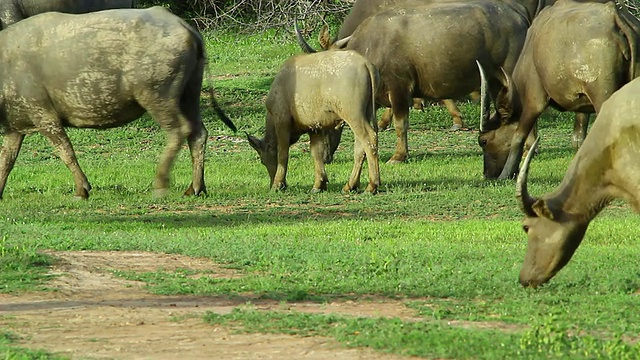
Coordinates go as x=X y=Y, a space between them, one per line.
x=437 y=234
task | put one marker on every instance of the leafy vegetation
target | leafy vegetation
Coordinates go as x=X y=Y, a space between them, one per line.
x=438 y=235
x=21 y=267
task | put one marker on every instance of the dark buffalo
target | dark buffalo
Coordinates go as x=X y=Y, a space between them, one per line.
x=363 y=9
x=97 y=70
x=443 y=64
x=12 y=11
x=575 y=56
x=606 y=167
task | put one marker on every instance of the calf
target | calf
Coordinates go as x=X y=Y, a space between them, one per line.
x=316 y=92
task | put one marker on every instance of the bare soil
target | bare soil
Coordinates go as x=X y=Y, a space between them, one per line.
x=92 y=314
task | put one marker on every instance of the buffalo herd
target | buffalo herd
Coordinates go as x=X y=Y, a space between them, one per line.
x=521 y=55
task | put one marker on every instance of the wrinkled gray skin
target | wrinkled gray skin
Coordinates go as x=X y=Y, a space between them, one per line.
x=606 y=167
x=315 y=92
x=12 y=11
x=131 y=61
x=443 y=64
x=575 y=56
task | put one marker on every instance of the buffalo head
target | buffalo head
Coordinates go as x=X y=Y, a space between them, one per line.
x=553 y=234
x=268 y=157
x=496 y=131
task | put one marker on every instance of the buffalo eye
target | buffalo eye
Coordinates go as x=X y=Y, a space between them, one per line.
x=525 y=228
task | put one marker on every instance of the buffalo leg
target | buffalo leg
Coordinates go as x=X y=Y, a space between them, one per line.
x=175 y=138
x=332 y=140
x=10 y=148
x=280 y=177
x=387 y=115
x=400 y=104
x=197 y=133
x=385 y=119
x=580 y=125
x=197 y=141
x=525 y=126
x=317 y=144
x=358 y=161
x=456 y=115
x=60 y=141
x=366 y=144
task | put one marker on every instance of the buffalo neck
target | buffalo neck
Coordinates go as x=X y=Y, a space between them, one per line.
x=584 y=191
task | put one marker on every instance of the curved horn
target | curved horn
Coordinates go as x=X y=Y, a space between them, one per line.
x=342 y=42
x=301 y=41
x=484 y=99
x=522 y=194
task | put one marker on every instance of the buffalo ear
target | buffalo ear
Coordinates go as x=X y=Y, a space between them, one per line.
x=503 y=106
x=255 y=143
x=324 y=38
x=542 y=209
x=506 y=97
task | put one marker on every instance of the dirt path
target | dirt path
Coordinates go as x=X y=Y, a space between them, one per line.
x=94 y=315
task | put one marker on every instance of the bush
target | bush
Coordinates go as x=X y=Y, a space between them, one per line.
x=256 y=15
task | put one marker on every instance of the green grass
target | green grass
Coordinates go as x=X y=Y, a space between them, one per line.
x=10 y=352
x=437 y=234
x=22 y=268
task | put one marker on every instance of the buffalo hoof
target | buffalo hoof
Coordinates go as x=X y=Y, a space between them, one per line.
x=455 y=127
x=317 y=190
x=507 y=176
x=159 y=193
x=191 y=192
x=371 y=189
x=393 y=161
x=279 y=186
x=382 y=126
x=347 y=189
x=82 y=194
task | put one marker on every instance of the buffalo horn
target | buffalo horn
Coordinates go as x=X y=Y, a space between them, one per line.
x=525 y=200
x=301 y=41
x=342 y=42
x=484 y=99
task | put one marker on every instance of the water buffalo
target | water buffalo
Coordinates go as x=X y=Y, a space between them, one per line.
x=315 y=92
x=12 y=11
x=326 y=42
x=607 y=166
x=575 y=56
x=438 y=66
x=46 y=86
x=363 y=9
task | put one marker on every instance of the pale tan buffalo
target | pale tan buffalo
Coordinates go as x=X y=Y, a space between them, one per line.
x=98 y=70
x=315 y=92
x=606 y=167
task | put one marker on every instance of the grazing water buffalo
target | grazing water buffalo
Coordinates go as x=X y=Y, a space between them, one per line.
x=575 y=56
x=442 y=64
x=315 y=92
x=607 y=166
x=131 y=61
x=12 y=11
